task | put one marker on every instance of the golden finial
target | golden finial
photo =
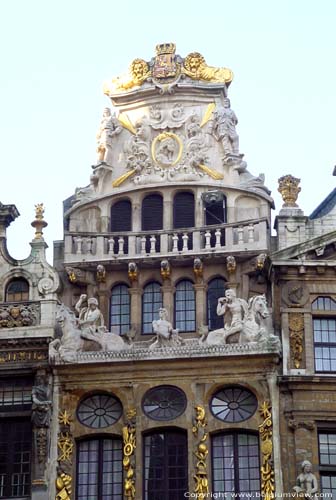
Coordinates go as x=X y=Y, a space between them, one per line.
x=39 y=223
x=289 y=190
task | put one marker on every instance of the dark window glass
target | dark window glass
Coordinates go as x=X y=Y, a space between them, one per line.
x=185 y=307
x=120 y=309
x=121 y=221
x=15 y=394
x=151 y=303
x=17 y=290
x=165 y=465
x=99 y=411
x=184 y=210
x=164 y=403
x=233 y=404
x=235 y=464
x=215 y=213
x=327 y=453
x=15 y=458
x=325 y=344
x=152 y=212
x=216 y=289
x=99 y=469
x=121 y=216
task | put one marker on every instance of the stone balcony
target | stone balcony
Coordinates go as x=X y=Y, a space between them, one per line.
x=251 y=236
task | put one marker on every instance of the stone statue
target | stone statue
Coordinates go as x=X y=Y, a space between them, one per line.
x=109 y=127
x=306 y=482
x=165 y=334
x=41 y=407
x=91 y=320
x=224 y=128
x=250 y=322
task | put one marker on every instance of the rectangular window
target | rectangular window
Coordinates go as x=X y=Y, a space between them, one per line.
x=327 y=453
x=325 y=344
x=15 y=458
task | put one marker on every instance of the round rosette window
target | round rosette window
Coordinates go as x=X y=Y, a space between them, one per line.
x=99 y=411
x=233 y=404
x=164 y=403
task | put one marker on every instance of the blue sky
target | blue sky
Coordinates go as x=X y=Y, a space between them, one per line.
x=56 y=54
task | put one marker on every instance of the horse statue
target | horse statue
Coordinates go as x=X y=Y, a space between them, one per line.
x=72 y=340
x=250 y=322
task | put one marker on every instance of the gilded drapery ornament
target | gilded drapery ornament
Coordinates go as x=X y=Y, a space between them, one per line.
x=63 y=487
x=132 y=271
x=129 y=441
x=198 y=267
x=165 y=269
x=289 y=190
x=231 y=264
x=266 y=432
x=296 y=333
x=201 y=487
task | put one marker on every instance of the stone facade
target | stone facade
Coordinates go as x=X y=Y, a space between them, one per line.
x=175 y=321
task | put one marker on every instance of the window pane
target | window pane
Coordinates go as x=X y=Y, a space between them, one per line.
x=185 y=307
x=99 y=470
x=216 y=289
x=325 y=344
x=17 y=290
x=151 y=303
x=236 y=463
x=120 y=310
x=166 y=465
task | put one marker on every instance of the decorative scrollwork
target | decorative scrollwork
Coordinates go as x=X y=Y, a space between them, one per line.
x=266 y=432
x=65 y=447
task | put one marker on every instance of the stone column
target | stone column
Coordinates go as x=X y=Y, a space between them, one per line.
x=167 y=214
x=168 y=299
x=200 y=292
x=136 y=312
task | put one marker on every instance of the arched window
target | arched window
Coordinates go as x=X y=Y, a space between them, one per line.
x=214 y=208
x=17 y=290
x=121 y=222
x=185 y=307
x=151 y=303
x=152 y=212
x=235 y=464
x=216 y=289
x=184 y=210
x=324 y=327
x=121 y=216
x=152 y=218
x=99 y=469
x=120 y=309
x=165 y=465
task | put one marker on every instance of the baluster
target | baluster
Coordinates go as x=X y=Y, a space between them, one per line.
x=152 y=243
x=240 y=231
x=111 y=246
x=250 y=231
x=185 y=239
x=79 y=242
x=143 y=245
x=207 y=240
x=121 y=246
x=218 y=234
x=175 y=242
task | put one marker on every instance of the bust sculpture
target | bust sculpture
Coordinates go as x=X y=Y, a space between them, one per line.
x=306 y=482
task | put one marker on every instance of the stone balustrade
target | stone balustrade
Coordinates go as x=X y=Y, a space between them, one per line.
x=212 y=239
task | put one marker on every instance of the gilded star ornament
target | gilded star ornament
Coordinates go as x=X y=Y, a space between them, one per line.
x=64 y=417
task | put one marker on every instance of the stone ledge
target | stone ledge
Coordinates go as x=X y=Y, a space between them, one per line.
x=191 y=349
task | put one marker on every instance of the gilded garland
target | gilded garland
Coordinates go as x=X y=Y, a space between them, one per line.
x=129 y=441
x=65 y=446
x=296 y=331
x=201 y=476
x=266 y=432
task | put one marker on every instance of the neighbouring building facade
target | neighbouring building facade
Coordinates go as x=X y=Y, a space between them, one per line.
x=176 y=349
